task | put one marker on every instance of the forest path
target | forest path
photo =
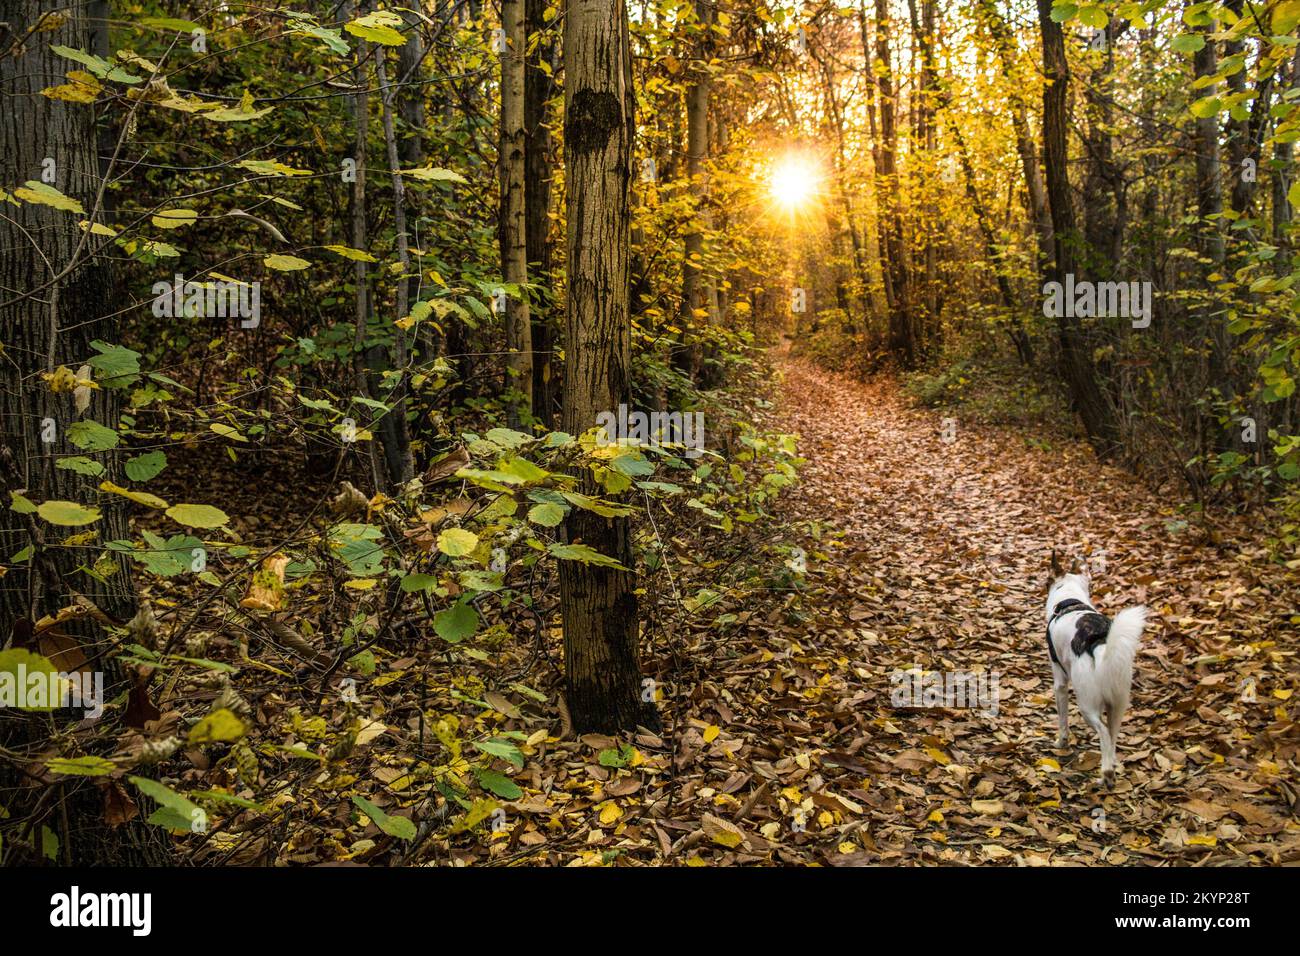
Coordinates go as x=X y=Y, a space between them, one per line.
x=937 y=557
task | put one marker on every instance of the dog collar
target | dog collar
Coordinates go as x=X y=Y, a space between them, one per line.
x=1069 y=606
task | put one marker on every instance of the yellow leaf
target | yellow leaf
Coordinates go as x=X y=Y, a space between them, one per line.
x=174 y=218
x=711 y=733
x=939 y=756
x=1281 y=694
x=611 y=812
x=1047 y=763
x=139 y=497
x=1202 y=841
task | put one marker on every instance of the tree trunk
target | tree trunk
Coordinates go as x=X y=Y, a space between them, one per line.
x=56 y=297
x=599 y=604
x=513 y=222
x=697 y=153
x=397 y=451
x=1076 y=359
x=538 y=89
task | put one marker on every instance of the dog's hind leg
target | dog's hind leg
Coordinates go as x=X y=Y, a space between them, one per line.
x=1097 y=723
x=1114 y=717
x=1061 y=686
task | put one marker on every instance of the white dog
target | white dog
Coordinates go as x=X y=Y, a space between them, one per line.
x=1093 y=652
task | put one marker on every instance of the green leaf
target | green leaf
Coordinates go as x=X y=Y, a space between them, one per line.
x=400 y=827
x=547 y=515
x=81 y=766
x=198 y=516
x=418 y=582
x=497 y=783
x=456 y=623
x=1188 y=43
x=67 y=513
x=175 y=812
x=117 y=365
x=501 y=748
x=507 y=437
x=90 y=435
x=146 y=466
x=583 y=553
x=1093 y=16
x=81 y=465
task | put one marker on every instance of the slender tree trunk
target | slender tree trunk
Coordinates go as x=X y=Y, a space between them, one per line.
x=697 y=153
x=513 y=221
x=538 y=89
x=599 y=604
x=358 y=104
x=1076 y=358
x=397 y=449
x=1036 y=196
x=901 y=338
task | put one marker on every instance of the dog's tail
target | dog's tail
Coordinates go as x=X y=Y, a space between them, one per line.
x=1116 y=666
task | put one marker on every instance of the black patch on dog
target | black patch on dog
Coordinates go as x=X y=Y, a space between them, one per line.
x=1089 y=631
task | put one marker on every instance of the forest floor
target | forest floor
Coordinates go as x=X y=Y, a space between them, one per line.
x=783 y=740
x=936 y=558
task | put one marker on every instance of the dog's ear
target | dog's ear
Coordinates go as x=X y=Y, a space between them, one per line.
x=1076 y=566
x=1056 y=566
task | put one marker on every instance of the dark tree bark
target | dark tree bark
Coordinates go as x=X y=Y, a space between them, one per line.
x=1076 y=359
x=599 y=604
x=512 y=222
x=697 y=154
x=538 y=89
x=56 y=297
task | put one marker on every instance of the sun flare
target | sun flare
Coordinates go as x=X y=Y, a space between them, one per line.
x=794 y=182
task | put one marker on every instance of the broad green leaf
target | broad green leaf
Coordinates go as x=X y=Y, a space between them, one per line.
x=400 y=827
x=81 y=465
x=497 y=783
x=547 y=515
x=501 y=748
x=90 y=435
x=456 y=623
x=146 y=466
